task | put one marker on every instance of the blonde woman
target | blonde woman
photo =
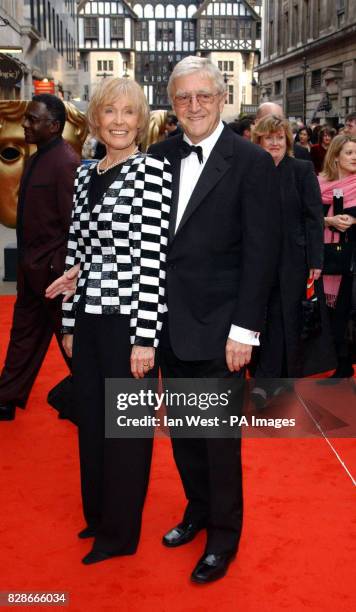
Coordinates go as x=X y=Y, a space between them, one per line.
x=111 y=324
x=340 y=175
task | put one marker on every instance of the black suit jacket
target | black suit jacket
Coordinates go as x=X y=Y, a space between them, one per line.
x=222 y=259
x=301 y=152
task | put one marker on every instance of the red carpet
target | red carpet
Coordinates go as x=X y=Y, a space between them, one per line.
x=298 y=546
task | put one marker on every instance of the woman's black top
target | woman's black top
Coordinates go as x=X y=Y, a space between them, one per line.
x=99 y=184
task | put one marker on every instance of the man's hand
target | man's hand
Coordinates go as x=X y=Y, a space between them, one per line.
x=314 y=274
x=237 y=355
x=142 y=360
x=66 y=284
x=68 y=344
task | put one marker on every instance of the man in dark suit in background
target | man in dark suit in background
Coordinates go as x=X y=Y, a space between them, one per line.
x=223 y=250
x=43 y=217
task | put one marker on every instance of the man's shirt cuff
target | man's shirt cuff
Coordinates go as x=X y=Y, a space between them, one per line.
x=246 y=336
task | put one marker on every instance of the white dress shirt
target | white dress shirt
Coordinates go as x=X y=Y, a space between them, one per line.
x=190 y=171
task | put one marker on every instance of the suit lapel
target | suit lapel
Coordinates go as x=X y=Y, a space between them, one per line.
x=175 y=161
x=213 y=171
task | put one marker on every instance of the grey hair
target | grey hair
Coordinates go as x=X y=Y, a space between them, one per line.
x=192 y=64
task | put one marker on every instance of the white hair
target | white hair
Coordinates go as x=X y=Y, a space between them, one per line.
x=193 y=64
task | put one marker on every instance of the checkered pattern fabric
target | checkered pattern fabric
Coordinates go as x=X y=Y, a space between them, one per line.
x=121 y=247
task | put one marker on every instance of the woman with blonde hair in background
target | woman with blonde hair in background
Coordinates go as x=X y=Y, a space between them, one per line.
x=338 y=183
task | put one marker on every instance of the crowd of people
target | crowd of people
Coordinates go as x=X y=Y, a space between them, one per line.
x=193 y=258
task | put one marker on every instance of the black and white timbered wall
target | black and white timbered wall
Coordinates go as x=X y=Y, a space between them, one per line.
x=155 y=35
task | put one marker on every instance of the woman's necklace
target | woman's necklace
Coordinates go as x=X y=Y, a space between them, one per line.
x=116 y=163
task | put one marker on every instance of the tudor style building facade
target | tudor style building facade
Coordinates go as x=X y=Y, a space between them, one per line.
x=144 y=40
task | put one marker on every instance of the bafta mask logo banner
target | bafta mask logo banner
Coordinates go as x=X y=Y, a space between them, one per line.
x=14 y=151
x=10 y=71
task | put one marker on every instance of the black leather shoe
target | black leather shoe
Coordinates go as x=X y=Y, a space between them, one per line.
x=7 y=412
x=87 y=532
x=95 y=556
x=181 y=534
x=212 y=567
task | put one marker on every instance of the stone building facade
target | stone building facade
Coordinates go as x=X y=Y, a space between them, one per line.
x=41 y=35
x=309 y=58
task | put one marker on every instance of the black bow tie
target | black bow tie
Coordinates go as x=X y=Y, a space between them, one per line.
x=186 y=149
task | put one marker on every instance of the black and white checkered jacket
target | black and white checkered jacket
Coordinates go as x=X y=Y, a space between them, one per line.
x=121 y=246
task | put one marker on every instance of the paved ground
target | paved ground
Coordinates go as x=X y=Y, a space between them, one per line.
x=7 y=236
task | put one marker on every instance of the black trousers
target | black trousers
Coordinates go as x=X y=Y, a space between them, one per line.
x=114 y=472
x=210 y=468
x=339 y=318
x=35 y=320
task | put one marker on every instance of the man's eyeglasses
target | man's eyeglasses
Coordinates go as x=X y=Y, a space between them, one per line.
x=204 y=99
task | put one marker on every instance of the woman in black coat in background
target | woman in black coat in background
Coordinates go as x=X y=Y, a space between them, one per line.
x=282 y=352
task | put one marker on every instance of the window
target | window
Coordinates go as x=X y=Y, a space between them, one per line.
x=226 y=66
x=54 y=28
x=277 y=88
x=39 y=25
x=295 y=84
x=206 y=28
x=258 y=30
x=91 y=27
x=245 y=30
x=295 y=28
x=165 y=30
x=49 y=22
x=44 y=18
x=347 y=105
x=142 y=30
x=271 y=37
x=188 y=31
x=117 y=28
x=61 y=37
x=306 y=21
x=225 y=29
x=340 y=11
x=286 y=31
x=230 y=99
x=105 y=65
x=316 y=79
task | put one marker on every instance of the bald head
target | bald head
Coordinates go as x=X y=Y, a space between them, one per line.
x=269 y=108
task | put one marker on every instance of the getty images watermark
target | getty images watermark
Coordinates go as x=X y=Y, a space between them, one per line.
x=218 y=408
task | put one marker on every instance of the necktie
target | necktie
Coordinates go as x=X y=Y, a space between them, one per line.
x=186 y=149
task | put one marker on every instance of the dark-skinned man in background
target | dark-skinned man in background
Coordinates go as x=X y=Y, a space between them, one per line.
x=44 y=210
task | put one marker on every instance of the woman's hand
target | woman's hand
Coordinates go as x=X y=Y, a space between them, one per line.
x=142 y=360
x=68 y=344
x=314 y=274
x=66 y=284
x=340 y=222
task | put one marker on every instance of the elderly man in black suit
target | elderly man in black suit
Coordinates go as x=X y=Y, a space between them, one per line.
x=223 y=249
